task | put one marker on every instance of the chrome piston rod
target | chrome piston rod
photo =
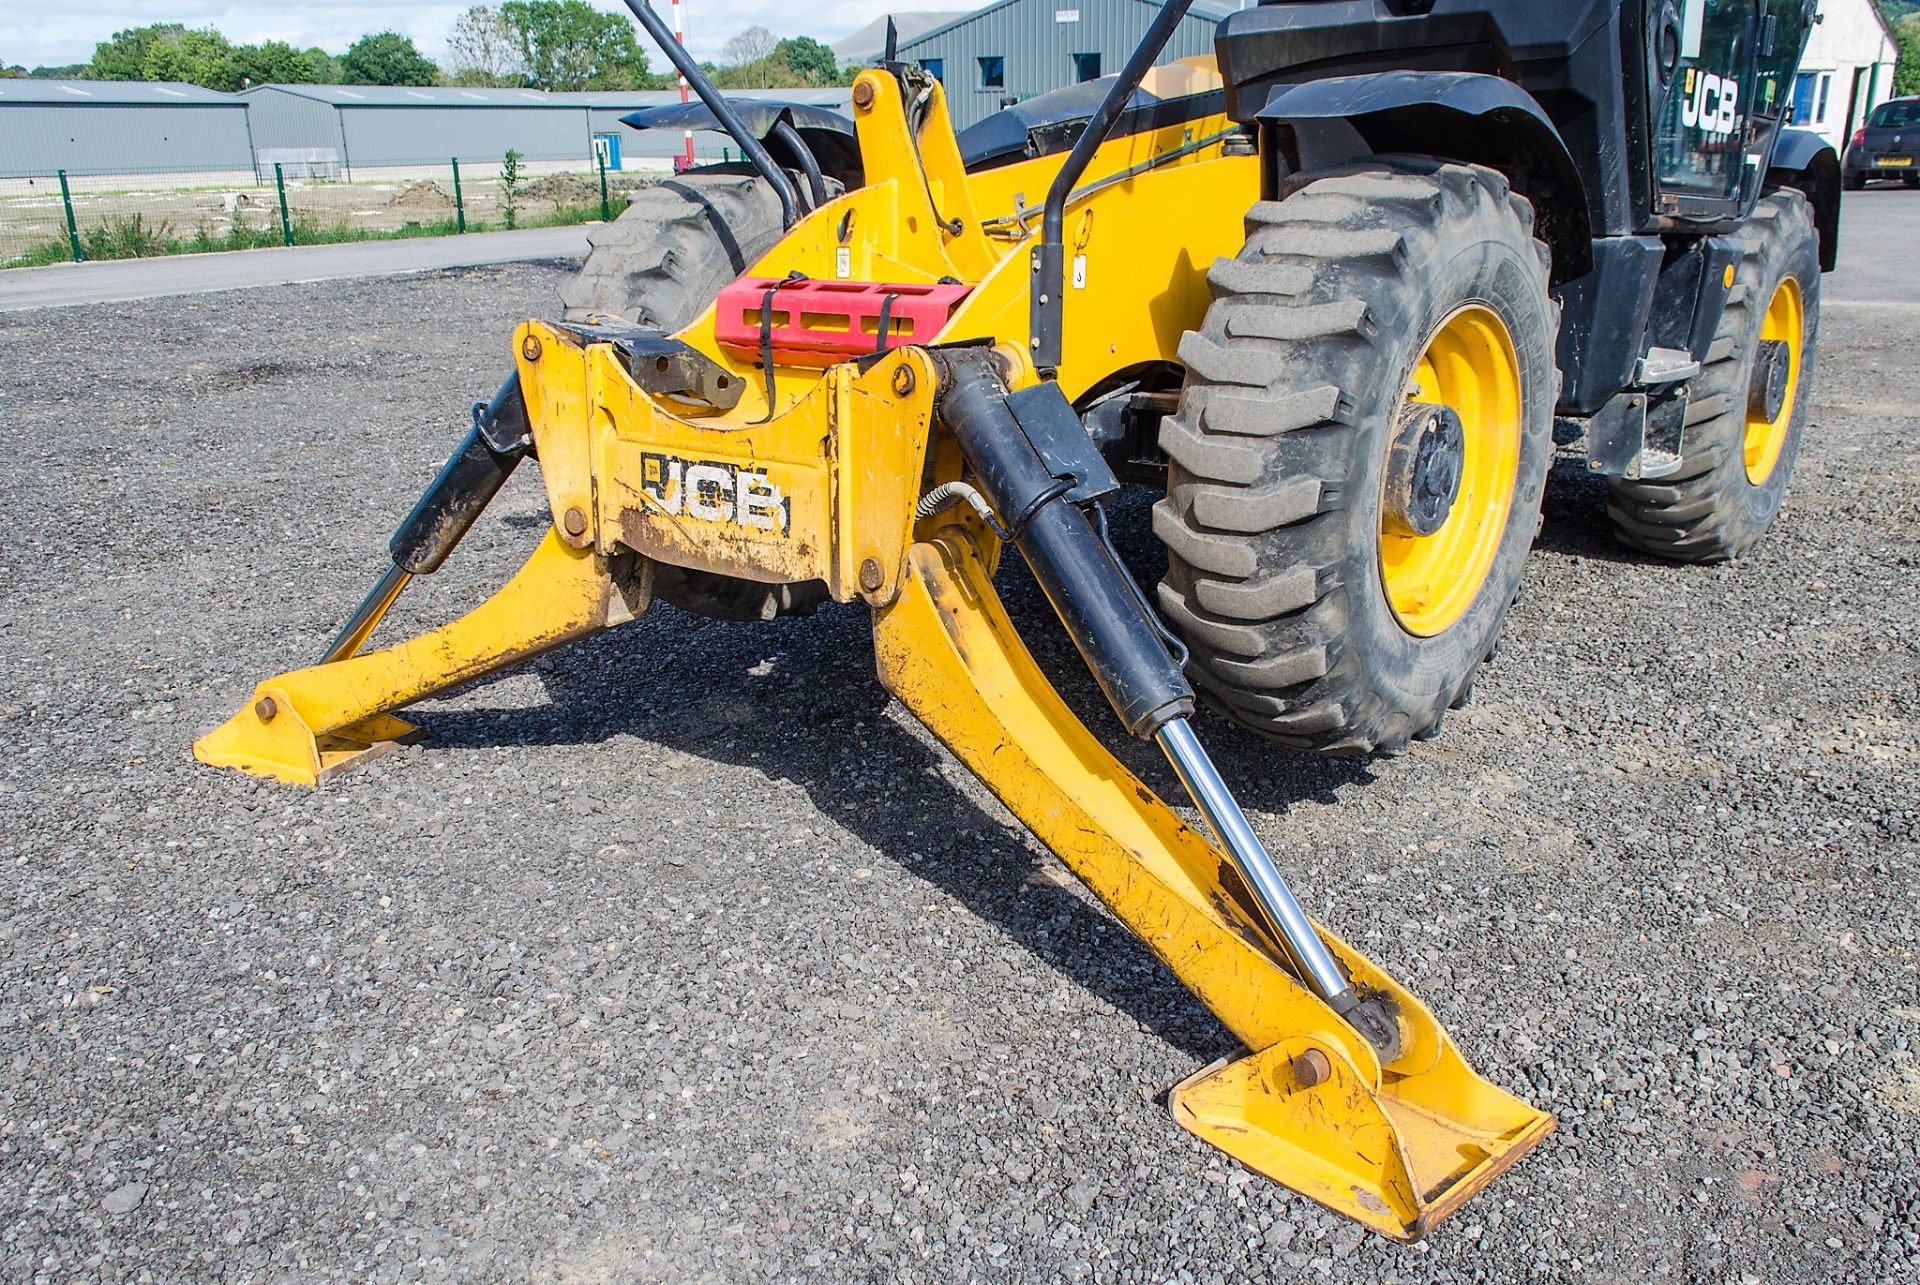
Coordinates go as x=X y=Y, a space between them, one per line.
x=366 y=617
x=1314 y=962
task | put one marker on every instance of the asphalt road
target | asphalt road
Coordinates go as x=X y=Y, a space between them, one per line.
x=683 y=955
x=66 y=285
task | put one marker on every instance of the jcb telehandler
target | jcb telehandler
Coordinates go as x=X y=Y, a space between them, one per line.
x=1335 y=289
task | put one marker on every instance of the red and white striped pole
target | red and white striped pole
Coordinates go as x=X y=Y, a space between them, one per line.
x=681 y=40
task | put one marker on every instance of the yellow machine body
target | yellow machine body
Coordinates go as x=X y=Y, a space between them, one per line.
x=819 y=482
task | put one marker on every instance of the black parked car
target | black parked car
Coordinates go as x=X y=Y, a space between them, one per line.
x=1887 y=145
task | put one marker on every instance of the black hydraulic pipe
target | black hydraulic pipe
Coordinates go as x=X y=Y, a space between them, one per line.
x=1049 y=256
x=1091 y=592
x=471 y=477
x=499 y=439
x=803 y=155
x=723 y=110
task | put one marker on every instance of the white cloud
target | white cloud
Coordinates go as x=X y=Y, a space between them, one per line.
x=68 y=33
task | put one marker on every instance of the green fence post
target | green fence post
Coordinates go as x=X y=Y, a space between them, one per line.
x=286 y=224
x=606 y=210
x=459 y=204
x=73 y=229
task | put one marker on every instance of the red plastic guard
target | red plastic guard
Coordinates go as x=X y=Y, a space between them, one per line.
x=821 y=323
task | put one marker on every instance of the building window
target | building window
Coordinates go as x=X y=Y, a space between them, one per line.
x=993 y=72
x=1086 y=67
x=1802 y=98
x=935 y=67
x=1820 y=108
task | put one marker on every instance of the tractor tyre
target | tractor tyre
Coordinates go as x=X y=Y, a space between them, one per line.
x=1385 y=339
x=661 y=264
x=673 y=249
x=1736 y=459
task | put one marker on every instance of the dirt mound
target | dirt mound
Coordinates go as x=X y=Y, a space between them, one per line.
x=424 y=194
x=563 y=189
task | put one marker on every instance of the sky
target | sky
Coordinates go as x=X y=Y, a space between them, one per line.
x=67 y=32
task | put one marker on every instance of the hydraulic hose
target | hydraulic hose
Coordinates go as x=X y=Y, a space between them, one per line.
x=493 y=447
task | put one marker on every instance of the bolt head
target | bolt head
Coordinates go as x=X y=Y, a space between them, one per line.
x=1311 y=1069
x=574 y=523
x=530 y=348
x=266 y=709
x=863 y=94
x=903 y=379
x=871 y=576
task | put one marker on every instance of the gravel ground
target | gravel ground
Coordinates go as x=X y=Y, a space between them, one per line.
x=682 y=955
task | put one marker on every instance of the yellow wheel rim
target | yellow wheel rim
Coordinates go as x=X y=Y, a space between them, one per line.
x=1785 y=319
x=1468 y=365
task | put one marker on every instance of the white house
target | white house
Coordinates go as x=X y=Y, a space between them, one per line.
x=1846 y=71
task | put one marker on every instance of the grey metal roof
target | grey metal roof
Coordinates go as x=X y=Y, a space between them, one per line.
x=872 y=38
x=1212 y=10
x=112 y=93
x=408 y=96
x=446 y=96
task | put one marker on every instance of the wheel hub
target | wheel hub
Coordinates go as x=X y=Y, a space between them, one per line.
x=1776 y=377
x=1771 y=366
x=1424 y=468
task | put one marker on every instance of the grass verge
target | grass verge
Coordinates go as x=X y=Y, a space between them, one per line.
x=133 y=237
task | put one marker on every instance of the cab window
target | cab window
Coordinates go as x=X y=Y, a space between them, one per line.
x=1702 y=129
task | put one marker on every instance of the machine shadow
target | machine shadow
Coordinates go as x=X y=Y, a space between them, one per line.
x=1574 y=517
x=798 y=700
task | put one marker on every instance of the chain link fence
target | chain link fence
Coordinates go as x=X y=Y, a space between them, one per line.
x=57 y=218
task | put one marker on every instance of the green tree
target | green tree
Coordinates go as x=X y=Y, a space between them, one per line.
x=195 y=57
x=1906 y=71
x=569 y=44
x=71 y=71
x=322 y=67
x=811 y=62
x=123 y=55
x=273 y=63
x=13 y=72
x=385 y=58
x=752 y=61
x=484 y=50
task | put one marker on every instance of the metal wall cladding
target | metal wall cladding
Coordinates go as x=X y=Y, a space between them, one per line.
x=1038 y=40
x=282 y=120
x=118 y=138
x=399 y=135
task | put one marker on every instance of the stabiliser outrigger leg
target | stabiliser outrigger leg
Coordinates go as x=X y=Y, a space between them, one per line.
x=1037 y=466
x=1350 y=1093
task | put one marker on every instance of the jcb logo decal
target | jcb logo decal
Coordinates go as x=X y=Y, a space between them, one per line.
x=1711 y=104
x=714 y=491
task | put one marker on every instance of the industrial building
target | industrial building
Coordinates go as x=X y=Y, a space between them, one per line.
x=1018 y=48
x=330 y=130
x=117 y=127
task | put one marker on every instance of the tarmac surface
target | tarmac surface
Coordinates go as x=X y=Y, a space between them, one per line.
x=682 y=954
x=67 y=285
